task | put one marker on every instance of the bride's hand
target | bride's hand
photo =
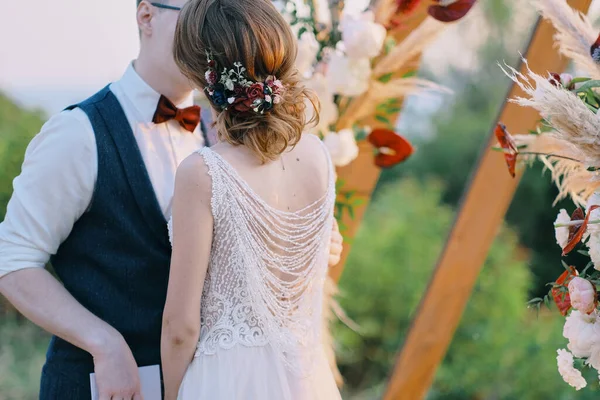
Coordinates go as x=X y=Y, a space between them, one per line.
x=336 y=245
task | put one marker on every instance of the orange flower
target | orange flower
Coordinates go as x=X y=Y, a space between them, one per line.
x=509 y=146
x=560 y=293
x=450 y=11
x=393 y=148
x=576 y=231
x=407 y=6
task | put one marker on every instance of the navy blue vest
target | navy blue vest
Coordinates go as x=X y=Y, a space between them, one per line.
x=116 y=260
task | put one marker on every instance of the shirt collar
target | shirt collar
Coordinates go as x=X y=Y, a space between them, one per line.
x=142 y=96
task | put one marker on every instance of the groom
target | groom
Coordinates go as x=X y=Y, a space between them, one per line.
x=93 y=197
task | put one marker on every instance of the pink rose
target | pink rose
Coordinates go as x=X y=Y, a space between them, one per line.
x=583 y=295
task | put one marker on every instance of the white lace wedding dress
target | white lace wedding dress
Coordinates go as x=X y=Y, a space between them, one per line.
x=262 y=300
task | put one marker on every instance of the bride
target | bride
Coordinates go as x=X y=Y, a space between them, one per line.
x=252 y=219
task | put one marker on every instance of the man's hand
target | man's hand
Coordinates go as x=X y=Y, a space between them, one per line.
x=336 y=245
x=117 y=376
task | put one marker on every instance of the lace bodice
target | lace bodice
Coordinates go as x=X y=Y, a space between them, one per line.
x=267 y=269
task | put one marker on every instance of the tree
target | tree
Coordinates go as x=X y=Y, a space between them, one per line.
x=500 y=349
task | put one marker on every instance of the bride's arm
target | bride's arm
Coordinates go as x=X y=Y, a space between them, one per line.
x=192 y=239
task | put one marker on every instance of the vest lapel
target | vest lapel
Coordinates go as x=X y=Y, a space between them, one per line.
x=133 y=164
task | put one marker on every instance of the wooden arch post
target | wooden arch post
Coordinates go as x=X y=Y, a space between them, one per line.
x=481 y=213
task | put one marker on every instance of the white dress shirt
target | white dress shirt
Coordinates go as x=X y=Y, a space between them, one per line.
x=59 y=173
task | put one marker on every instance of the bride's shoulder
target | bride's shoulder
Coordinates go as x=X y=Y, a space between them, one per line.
x=193 y=174
x=312 y=145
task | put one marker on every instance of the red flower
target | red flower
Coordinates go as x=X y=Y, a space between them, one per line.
x=560 y=293
x=555 y=79
x=407 y=6
x=393 y=148
x=242 y=104
x=595 y=50
x=256 y=91
x=450 y=12
x=509 y=146
x=576 y=231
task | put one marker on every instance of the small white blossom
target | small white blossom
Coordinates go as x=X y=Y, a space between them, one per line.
x=342 y=147
x=569 y=373
x=562 y=233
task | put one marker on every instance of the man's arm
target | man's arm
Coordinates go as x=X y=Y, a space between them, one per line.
x=53 y=190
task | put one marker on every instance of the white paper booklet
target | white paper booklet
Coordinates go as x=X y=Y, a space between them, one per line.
x=149 y=379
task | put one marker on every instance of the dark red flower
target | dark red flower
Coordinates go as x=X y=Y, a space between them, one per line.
x=256 y=91
x=555 y=79
x=211 y=77
x=450 y=12
x=595 y=50
x=393 y=148
x=242 y=104
x=576 y=232
x=560 y=292
x=509 y=146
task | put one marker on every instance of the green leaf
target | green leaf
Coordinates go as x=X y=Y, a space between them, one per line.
x=351 y=212
x=358 y=202
x=383 y=119
x=586 y=268
x=390 y=43
x=535 y=300
x=565 y=265
x=386 y=78
x=591 y=99
x=547 y=301
x=580 y=80
x=590 y=84
x=410 y=74
x=583 y=253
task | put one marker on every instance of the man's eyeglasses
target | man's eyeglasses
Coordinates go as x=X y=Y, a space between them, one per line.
x=166 y=6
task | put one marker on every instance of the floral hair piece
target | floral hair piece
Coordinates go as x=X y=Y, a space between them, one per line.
x=232 y=89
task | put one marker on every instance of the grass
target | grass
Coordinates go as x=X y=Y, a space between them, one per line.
x=22 y=354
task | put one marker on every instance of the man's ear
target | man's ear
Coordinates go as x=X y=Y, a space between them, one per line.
x=145 y=13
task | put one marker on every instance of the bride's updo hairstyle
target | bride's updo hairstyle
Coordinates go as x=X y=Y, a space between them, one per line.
x=242 y=54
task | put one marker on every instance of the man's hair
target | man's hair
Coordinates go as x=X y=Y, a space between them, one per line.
x=163 y=1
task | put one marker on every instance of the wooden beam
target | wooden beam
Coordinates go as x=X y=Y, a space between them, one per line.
x=362 y=174
x=481 y=214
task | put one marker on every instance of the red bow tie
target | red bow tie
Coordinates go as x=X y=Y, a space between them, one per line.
x=188 y=117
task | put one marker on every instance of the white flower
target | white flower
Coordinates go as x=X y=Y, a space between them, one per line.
x=593 y=245
x=562 y=233
x=594 y=358
x=583 y=332
x=342 y=147
x=229 y=84
x=308 y=47
x=348 y=77
x=565 y=79
x=569 y=373
x=594 y=200
x=362 y=37
x=582 y=294
x=302 y=8
x=329 y=111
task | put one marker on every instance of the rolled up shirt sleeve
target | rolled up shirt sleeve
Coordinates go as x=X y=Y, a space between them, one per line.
x=52 y=192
